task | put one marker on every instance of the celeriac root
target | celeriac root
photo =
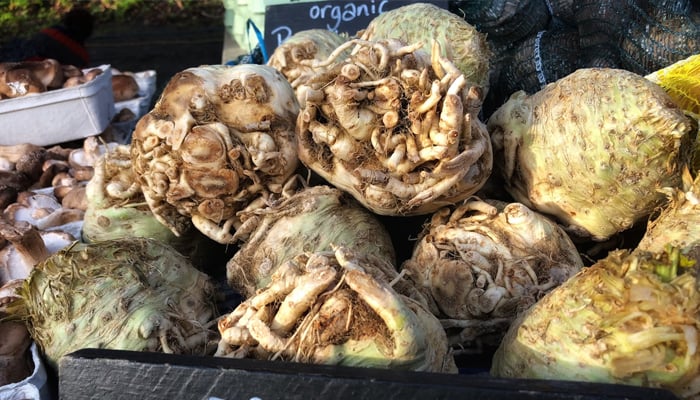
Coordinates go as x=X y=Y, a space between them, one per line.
x=336 y=307
x=395 y=127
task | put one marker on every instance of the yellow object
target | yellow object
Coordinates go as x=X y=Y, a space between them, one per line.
x=681 y=81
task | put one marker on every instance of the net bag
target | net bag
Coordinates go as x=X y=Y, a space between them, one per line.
x=660 y=34
x=504 y=21
x=538 y=60
x=638 y=35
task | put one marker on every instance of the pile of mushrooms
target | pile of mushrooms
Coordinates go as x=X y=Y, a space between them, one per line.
x=42 y=193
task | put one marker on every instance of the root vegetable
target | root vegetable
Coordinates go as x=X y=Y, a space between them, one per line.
x=617 y=321
x=327 y=308
x=460 y=42
x=116 y=205
x=131 y=294
x=395 y=127
x=299 y=56
x=677 y=222
x=591 y=149
x=310 y=220
x=484 y=262
x=116 y=209
x=219 y=139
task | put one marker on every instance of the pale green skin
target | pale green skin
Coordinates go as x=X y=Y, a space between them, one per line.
x=108 y=217
x=678 y=222
x=113 y=218
x=121 y=294
x=592 y=329
x=459 y=41
x=310 y=221
x=591 y=149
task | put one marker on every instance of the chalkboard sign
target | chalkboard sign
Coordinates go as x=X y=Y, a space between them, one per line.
x=282 y=21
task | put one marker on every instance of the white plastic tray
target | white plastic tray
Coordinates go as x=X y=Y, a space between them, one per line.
x=59 y=115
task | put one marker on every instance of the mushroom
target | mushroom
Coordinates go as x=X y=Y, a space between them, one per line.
x=71 y=71
x=43 y=212
x=32 y=163
x=124 y=87
x=19 y=82
x=74 y=198
x=82 y=160
x=14 y=152
x=74 y=81
x=8 y=195
x=26 y=248
x=14 y=179
x=49 y=72
x=8 y=292
x=15 y=362
x=6 y=164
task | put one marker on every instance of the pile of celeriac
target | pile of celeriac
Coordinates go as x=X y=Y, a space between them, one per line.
x=303 y=175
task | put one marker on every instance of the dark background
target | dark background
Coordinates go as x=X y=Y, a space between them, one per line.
x=165 y=49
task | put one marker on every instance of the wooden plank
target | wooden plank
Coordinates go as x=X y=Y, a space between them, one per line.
x=100 y=374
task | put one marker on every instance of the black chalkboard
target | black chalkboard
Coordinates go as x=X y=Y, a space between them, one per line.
x=282 y=21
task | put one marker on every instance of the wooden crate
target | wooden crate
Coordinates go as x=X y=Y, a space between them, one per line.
x=111 y=374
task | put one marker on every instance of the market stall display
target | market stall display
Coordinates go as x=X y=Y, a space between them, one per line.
x=305 y=173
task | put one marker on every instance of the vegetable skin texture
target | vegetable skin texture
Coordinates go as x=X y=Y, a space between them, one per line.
x=618 y=322
x=396 y=127
x=125 y=294
x=677 y=222
x=219 y=139
x=116 y=205
x=459 y=41
x=481 y=263
x=591 y=149
x=297 y=57
x=310 y=220
x=332 y=308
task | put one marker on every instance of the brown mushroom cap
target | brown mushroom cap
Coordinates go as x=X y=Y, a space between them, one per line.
x=124 y=87
x=20 y=82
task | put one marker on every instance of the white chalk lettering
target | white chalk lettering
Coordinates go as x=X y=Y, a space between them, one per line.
x=282 y=33
x=345 y=13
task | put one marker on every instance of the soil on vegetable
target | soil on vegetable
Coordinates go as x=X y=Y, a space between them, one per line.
x=167 y=49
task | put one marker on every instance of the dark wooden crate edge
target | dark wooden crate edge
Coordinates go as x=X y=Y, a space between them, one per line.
x=115 y=374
